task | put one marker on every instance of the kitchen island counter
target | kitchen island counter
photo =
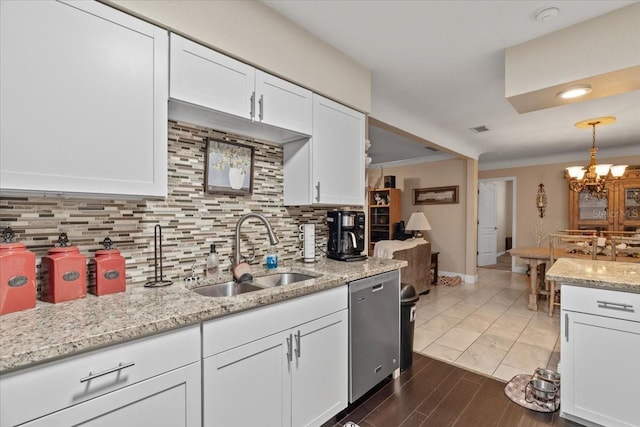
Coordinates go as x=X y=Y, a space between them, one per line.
x=616 y=276
x=51 y=331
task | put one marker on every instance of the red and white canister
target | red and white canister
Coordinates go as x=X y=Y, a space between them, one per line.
x=17 y=275
x=64 y=273
x=107 y=270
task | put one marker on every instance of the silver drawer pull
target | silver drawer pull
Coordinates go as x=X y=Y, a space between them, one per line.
x=120 y=367
x=616 y=306
x=377 y=287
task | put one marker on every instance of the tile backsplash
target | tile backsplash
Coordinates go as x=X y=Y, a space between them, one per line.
x=191 y=219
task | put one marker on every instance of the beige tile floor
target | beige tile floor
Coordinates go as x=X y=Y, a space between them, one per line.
x=486 y=326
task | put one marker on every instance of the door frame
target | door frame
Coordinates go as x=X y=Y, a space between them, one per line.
x=513 y=180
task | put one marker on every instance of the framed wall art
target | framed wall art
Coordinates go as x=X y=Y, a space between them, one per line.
x=435 y=195
x=229 y=168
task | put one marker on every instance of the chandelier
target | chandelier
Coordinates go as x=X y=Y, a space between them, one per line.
x=593 y=179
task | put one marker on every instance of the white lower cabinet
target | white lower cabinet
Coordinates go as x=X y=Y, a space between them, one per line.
x=287 y=377
x=169 y=400
x=600 y=346
x=153 y=381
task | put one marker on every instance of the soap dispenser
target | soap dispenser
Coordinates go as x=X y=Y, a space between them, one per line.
x=213 y=263
x=272 y=258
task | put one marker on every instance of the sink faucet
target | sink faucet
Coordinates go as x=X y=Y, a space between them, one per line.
x=272 y=237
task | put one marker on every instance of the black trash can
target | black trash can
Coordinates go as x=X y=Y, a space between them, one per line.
x=408 y=300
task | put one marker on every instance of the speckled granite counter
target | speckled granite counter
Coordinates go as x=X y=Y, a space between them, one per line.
x=50 y=331
x=617 y=276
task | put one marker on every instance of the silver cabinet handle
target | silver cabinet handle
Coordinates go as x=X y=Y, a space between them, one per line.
x=289 y=353
x=297 y=337
x=261 y=102
x=120 y=367
x=252 y=100
x=566 y=327
x=318 y=192
x=378 y=287
x=615 y=306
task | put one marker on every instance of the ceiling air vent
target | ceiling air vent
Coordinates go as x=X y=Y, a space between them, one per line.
x=479 y=129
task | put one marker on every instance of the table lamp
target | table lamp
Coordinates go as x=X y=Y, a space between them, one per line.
x=417 y=223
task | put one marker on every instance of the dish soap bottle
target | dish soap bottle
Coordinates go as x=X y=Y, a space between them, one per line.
x=272 y=258
x=213 y=262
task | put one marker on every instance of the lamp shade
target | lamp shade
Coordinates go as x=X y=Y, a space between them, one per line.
x=418 y=222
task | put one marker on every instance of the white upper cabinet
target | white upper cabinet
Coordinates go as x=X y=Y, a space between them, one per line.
x=329 y=168
x=84 y=100
x=283 y=104
x=218 y=91
x=206 y=78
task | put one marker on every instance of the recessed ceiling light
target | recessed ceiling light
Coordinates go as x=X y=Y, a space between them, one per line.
x=575 y=92
x=547 y=14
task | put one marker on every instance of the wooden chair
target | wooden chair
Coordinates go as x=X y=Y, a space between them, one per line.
x=568 y=241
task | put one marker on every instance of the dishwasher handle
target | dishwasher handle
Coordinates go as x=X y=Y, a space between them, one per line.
x=378 y=287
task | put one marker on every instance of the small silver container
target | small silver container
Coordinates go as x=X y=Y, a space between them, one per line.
x=543 y=390
x=548 y=375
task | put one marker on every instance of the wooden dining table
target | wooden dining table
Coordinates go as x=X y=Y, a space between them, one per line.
x=535 y=256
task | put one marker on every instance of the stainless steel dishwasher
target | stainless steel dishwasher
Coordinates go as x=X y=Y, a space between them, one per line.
x=374 y=331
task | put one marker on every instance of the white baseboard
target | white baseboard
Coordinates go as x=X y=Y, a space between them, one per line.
x=519 y=269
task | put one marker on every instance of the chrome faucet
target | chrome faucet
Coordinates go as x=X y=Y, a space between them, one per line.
x=272 y=237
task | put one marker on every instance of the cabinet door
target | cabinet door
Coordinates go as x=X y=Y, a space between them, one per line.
x=599 y=356
x=283 y=104
x=84 y=100
x=169 y=400
x=204 y=77
x=320 y=373
x=337 y=154
x=249 y=385
x=628 y=214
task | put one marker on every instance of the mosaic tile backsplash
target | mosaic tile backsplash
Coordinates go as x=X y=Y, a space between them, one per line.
x=191 y=219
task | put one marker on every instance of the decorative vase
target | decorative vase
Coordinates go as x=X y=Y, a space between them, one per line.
x=236 y=178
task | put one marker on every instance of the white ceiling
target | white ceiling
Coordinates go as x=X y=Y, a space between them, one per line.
x=438 y=70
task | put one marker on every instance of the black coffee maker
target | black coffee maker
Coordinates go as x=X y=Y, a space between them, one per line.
x=346 y=235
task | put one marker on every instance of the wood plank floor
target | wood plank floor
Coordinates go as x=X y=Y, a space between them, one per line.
x=433 y=393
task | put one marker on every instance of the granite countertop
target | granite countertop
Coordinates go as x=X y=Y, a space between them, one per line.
x=50 y=331
x=617 y=276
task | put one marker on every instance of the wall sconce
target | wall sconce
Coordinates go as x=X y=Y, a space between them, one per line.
x=541 y=200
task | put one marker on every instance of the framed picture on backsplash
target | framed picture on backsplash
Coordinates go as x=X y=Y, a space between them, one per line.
x=229 y=168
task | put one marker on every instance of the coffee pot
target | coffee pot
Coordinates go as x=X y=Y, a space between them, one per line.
x=346 y=235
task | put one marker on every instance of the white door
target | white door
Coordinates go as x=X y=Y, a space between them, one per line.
x=487 y=224
x=599 y=359
x=168 y=400
x=320 y=378
x=204 y=77
x=283 y=104
x=249 y=385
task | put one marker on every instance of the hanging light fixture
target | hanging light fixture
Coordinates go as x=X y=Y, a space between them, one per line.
x=592 y=180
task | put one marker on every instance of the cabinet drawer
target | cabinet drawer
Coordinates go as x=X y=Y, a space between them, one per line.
x=601 y=302
x=232 y=331
x=37 y=391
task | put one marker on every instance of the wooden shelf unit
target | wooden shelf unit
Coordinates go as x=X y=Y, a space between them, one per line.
x=383 y=217
x=618 y=212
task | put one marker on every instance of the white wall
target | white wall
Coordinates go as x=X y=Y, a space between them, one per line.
x=254 y=33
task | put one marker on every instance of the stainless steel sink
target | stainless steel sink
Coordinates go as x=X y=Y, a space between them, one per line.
x=227 y=289
x=280 y=279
